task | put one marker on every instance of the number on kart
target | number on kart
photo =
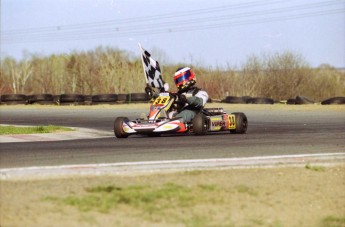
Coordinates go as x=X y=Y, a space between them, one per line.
x=232 y=122
x=161 y=100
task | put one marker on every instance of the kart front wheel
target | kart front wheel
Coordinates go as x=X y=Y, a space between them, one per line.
x=118 y=127
x=199 y=124
x=241 y=123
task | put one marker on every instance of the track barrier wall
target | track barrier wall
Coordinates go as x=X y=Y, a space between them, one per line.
x=112 y=99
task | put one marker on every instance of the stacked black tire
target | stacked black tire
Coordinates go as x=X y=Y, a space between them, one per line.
x=260 y=100
x=14 y=99
x=120 y=98
x=138 y=97
x=72 y=99
x=78 y=99
x=334 y=101
x=235 y=100
x=300 y=100
x=41 y=99
x=104 y=99
x=247 y=100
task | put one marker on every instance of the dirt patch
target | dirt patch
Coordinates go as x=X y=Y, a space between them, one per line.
x=283 y=196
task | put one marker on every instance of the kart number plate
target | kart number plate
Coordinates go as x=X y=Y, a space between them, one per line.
x=232 y=121
x=161 y=100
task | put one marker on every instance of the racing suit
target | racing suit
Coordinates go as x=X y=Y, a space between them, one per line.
x=194 y=100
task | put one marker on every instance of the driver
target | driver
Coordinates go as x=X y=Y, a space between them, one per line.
x=191 y=99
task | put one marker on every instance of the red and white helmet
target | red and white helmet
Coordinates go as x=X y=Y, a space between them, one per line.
x=184 y=78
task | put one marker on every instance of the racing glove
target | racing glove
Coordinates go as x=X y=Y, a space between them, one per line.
x=148 y=91
x=181 y=98
x=151 y=91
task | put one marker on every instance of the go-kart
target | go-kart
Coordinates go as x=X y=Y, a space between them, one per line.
x=161 y=120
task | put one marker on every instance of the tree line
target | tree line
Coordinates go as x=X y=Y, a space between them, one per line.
x=106 y=70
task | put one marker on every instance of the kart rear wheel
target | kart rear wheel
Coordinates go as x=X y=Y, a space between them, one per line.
x=199 y=124
x=241 y=123
x=118 y=129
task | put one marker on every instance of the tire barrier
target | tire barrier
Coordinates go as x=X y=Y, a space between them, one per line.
x=112 y=99
x=260 y=100
x=334 y=101
x=236 y=100
x=247 y=100
x=121 y=98
x=56 y=99
x=138 y=97
x=291 y=102
x=42 y=99
x=88 y=99
x=72 y=99
x=14 y=99
x=300 y=100
x=104 y=99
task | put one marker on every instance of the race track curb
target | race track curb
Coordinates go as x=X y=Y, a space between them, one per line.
x=78 y=133
x=149 y=167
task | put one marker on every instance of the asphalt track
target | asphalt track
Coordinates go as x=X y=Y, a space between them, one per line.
x=272 y=131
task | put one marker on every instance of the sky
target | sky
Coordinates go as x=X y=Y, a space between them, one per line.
x=208 y=33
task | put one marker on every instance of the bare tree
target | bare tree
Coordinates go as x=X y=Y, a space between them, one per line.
x=109 y=70
x=19 y=74
x=73 y=74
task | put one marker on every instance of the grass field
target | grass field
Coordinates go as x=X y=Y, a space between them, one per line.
x=11 y=130
x=309 y=195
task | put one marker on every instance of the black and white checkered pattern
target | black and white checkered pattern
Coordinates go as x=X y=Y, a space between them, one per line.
x=152 y=70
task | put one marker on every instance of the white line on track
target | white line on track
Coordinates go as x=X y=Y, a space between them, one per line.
x=166 y=165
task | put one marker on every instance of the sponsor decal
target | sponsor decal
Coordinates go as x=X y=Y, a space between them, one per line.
x=218 y=124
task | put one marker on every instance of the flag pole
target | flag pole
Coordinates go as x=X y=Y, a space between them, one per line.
x=142 y=61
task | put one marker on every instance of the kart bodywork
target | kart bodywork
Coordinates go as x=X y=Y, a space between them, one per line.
x=161 y=120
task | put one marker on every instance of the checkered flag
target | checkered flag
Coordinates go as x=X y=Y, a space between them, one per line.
x=152 y=70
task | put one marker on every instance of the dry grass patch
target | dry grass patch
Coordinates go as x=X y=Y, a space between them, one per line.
x=11 y=130
x=286 y=196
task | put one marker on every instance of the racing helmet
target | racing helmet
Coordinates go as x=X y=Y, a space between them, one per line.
x=184 y=78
